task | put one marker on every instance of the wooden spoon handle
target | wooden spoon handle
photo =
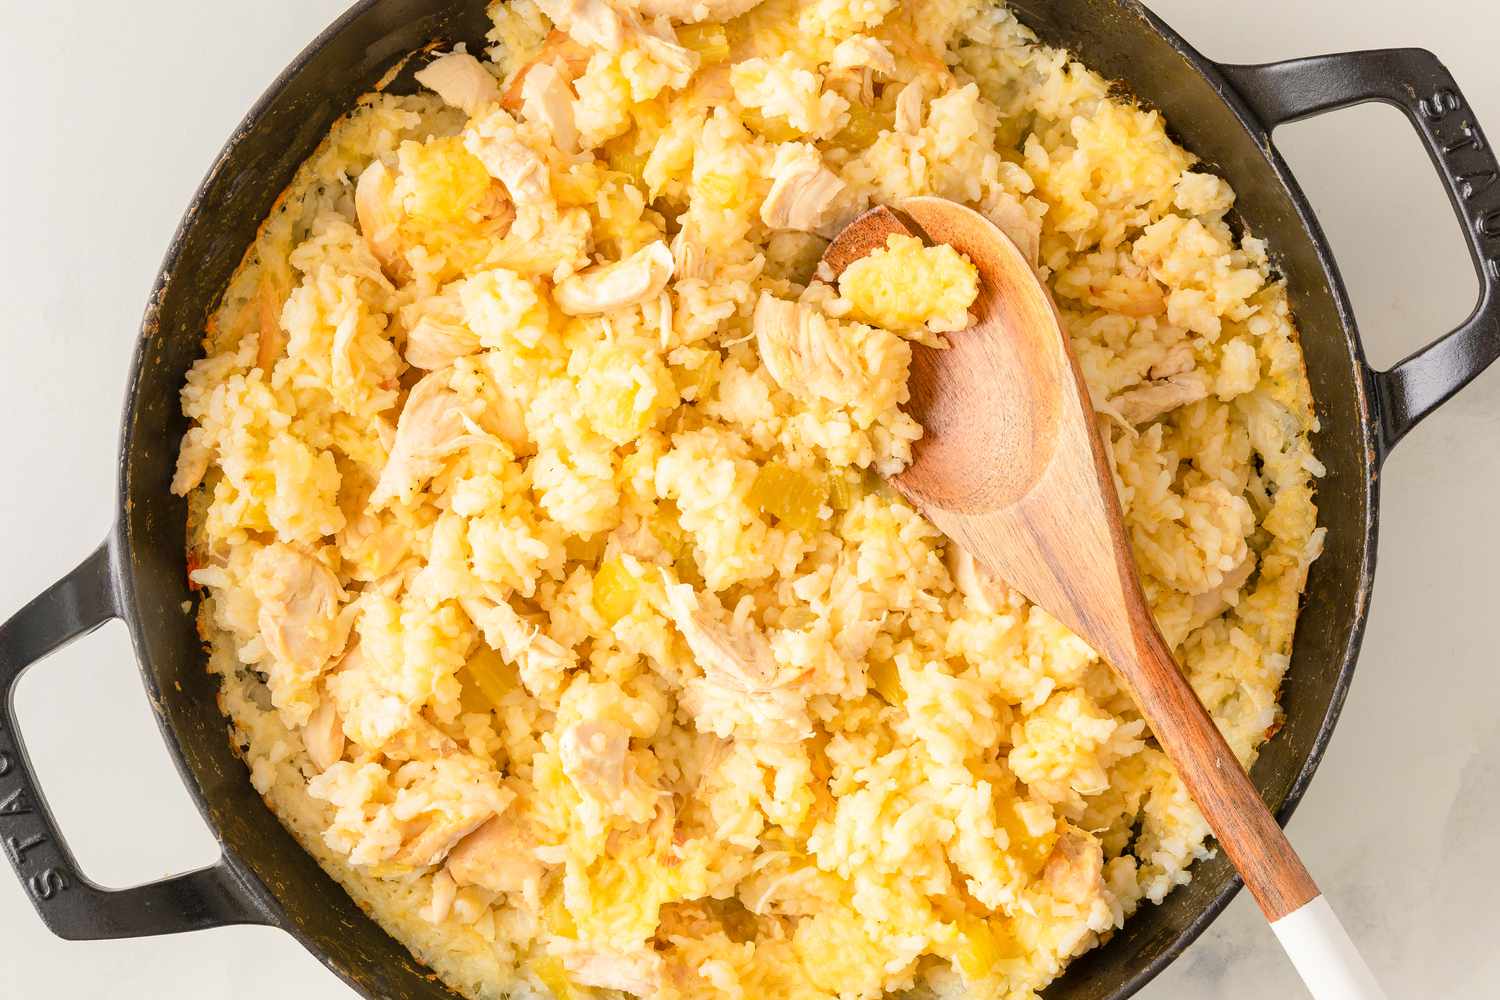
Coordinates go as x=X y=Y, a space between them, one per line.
x=1306 y=925
x=1223 y=791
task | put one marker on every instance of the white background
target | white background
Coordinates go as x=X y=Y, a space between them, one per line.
x=112 y=112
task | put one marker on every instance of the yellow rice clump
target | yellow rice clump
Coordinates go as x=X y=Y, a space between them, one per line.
x=537 y=498
x=907 y=287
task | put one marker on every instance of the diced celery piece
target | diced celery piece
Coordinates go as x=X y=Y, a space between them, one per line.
x=886 y=680
x=489 y=674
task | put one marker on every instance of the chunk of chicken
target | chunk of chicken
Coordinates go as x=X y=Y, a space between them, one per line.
x=742 y=688
x=1074 y=871
x=982 y=590
x=863 y=52
x=434 y=343
x=741 y=657
x=323 y=736
x=499 y=856
x=432 y=426
x=638 y=972
x=494 y=139
x=593 y=22
x=559 y=51
x=781 y=885
x=693 y=11
x=1212 y=603
x=1145 y=403
x=461 y=81
x=541 y=661
x=598 y=24
x=908 y=118
x=433 y=842
x=1177 y=359
x=445 y=800
x=802 y=189
x=379 y=219
x=369 y=547
x=607 y=287
x=804 y=354
x=593 y=758
x=547 y=98
x=300 y=599
x=437 y=333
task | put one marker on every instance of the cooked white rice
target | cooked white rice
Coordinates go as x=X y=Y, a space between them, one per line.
x=537 y=505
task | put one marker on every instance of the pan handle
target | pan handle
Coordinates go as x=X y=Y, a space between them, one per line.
x=1417 y=83
x=71 y=905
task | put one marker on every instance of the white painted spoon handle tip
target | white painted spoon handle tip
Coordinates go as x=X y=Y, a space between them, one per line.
x=1327 y=960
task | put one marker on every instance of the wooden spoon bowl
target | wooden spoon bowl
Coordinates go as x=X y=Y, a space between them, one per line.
x=1014 y=379
x=1012 y=468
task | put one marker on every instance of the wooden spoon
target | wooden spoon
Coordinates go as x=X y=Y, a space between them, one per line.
x=1012 y=468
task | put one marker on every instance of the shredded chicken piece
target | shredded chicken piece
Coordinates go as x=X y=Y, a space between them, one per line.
x=1012 y=219
x=300 y=600
x=496 y=142
x=593 y=758
x=452 y=799
x=433 y=344
x=379 y=221
x=542 y=662
x=432 y=426
x=431 y=845
x=742 y=684
x=323 y=736
x=499 y=857
x=693 y=11
x=607 y=287
x=981 y=589
x=1074 y=872
x=639 y=972
x=559 y=51
x=369 y=547
x=1212 y=603
x=909 y=108
x=743 y=659
x=863 y=52
x=593 y=22
x=461 y=81
x=1145 y=403
x=804 y=355
x=547 y=98
x=1178 y=359
x=802 y=189
x=781 y=886
x=600 y=25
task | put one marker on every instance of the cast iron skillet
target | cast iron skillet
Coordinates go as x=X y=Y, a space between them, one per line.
x=1223 y=113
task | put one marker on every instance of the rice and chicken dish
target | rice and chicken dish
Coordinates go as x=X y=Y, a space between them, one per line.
x=537 y=500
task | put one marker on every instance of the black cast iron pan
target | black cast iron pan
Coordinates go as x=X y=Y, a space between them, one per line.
x=1225 y=114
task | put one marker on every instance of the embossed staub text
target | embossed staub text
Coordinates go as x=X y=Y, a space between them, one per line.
x=1460 y=145
x=22 y=833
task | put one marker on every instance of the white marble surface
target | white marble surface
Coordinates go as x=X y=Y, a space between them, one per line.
x=114 y=110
